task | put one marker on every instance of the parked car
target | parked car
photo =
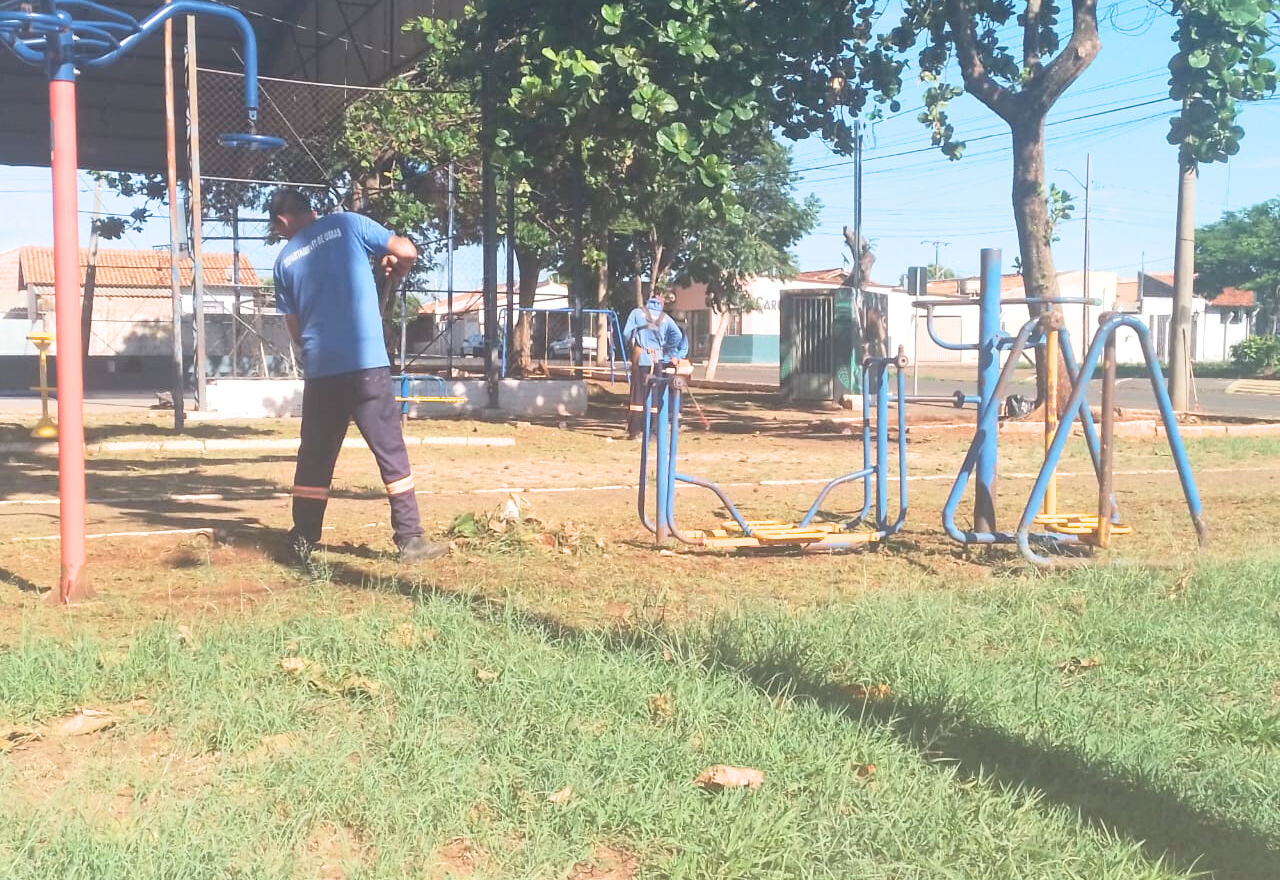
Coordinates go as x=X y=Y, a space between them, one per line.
x=473 y=345
x=562 y=347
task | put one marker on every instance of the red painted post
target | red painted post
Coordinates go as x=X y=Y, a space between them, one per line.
x=73 y=585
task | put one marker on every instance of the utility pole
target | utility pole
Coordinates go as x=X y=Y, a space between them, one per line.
x=1184 y=267
x=937 y=246
x=1087 y=183
x=1084 y=308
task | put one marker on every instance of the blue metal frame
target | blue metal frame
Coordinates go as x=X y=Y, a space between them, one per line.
x=405 y=378
x=615 y=330
x=54 y=37
x=664 y=395
x=1076 y=403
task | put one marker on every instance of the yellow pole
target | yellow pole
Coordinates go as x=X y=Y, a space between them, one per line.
x=45 y=429
x=1051 y=416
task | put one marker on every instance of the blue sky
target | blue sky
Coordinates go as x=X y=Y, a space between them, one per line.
x=913 y=195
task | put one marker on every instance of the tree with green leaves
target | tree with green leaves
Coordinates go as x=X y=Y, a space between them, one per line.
x=600 y=106
x=1020 y=85
x=754 y=243
x=1221 y=61
x=1242 y=249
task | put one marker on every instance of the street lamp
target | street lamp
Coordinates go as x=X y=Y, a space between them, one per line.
x=1088 y=179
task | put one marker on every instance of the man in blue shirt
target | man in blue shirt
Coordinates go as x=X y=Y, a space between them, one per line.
x=325 y=287
x=655 y=339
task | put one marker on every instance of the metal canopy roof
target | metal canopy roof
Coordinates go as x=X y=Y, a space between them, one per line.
x=121 y=108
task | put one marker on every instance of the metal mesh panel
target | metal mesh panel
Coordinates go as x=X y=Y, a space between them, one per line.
x=307 y=115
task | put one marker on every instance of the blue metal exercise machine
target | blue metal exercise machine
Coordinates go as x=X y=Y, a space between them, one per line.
x=1057 y=529
x=664 y=399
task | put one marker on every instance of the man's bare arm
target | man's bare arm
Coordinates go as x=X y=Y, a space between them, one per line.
x=401 y=254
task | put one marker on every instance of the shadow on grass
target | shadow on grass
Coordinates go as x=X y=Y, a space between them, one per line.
x=1174 y=833
x=17 y=580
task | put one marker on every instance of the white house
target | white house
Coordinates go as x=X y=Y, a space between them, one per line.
x=1216 y=324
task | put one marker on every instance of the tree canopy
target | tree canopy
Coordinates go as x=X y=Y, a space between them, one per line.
x=1242 y=249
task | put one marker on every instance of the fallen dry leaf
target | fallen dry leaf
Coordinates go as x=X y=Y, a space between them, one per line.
x=722 y=776
x=865 y=772
x=866 y=692
x=84 y=722
x=544 y=539
x=498 y=526
x=352 y=686
x=16 y=739
x=486 y=676
x=563 y=796
x=295 y=665
x=661 y=708
x=1179 y=588
x=1078 y=664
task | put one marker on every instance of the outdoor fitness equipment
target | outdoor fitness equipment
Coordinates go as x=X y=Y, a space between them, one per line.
x=1097 y=530
x=663 y=397
x=436 y=383
x=1041 y=509
x=53 y=37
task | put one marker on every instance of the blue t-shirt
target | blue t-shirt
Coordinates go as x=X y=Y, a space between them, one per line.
x=657 y=335
x=323 y=278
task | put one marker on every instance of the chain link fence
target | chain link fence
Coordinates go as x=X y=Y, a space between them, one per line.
x=438 y=315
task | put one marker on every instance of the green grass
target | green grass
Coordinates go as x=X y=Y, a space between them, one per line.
x=990 y=760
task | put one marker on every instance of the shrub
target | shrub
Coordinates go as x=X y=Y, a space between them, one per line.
x=1257 y=352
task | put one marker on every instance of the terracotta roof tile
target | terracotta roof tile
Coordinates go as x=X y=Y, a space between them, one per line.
x=828 y=276
x=127 y=268
x=1234 y=297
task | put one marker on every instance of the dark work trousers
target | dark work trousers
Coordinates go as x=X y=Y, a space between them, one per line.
x=639 y=391
x=329 y=403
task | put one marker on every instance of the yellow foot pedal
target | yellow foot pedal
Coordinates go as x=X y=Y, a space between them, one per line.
x=1077 y=524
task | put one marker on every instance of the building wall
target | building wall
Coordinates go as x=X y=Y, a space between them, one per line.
x=756 y=341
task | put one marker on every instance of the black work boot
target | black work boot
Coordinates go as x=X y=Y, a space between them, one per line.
x=419 y=549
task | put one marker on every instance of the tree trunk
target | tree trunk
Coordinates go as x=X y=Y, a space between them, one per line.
x=1031 y=217
x=717 y=340
x=657 y=253
x=90 y=280
x=600 y=281
x=530 y=267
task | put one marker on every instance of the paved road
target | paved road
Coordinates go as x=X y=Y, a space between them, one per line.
x=1254 y=398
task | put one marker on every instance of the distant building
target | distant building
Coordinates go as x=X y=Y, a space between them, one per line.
x=131 y=340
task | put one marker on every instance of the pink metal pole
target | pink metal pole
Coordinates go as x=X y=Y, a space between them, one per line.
x=74 y=585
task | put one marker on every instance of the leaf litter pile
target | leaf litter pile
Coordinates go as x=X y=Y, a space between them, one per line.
x=511 y=529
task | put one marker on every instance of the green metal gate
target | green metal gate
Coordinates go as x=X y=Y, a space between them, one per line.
x=818 y=341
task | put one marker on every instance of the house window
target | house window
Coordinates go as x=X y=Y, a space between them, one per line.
x=734 y=318
x=698 y=331
x=1162 y=338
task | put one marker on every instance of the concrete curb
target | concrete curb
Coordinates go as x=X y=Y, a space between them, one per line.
x=223 y=445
